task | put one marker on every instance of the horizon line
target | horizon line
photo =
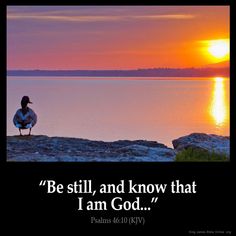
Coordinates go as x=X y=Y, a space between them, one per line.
x=149 y=68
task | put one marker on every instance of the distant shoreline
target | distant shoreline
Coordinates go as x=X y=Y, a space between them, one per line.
x=155 y=72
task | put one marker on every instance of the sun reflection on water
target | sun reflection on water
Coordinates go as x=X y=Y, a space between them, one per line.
x=218 y=107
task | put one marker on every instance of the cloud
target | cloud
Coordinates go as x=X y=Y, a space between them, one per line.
x=63 y=18
x=167 y=16
x=94 y=18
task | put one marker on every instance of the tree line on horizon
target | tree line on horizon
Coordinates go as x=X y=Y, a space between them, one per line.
x=150 y=72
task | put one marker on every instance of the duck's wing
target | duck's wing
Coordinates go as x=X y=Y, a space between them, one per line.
x=33 y=117
x=17 y=117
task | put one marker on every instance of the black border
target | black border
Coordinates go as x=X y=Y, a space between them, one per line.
x=209 y=209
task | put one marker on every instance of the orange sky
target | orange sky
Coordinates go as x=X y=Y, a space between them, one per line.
x=121 y=37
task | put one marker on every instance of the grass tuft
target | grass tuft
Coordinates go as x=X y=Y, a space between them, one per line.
x=191 y=154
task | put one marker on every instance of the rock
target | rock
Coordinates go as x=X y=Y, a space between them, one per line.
x=42 y=148
x=123 y=143
x=145 y=153
x=210 y=142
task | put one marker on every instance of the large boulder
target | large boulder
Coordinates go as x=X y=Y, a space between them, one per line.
x=50 y=149
x=210 y=142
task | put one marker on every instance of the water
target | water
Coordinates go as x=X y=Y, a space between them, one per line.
x=109 y=109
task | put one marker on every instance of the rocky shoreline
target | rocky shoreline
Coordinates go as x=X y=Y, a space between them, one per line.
x=40 y=148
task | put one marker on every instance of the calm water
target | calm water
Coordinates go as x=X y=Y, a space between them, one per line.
x=109 y=109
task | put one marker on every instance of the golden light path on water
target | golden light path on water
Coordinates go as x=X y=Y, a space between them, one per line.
x=218 y=108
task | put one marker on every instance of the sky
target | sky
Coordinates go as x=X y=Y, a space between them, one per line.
x=113 y=37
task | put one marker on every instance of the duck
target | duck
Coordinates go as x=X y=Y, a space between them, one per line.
x=25 y=117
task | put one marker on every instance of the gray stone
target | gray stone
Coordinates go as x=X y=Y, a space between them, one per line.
x=209 y=142
x=43 y=148
x=57 y=149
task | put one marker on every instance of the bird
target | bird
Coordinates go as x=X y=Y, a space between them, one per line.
x=25 y=117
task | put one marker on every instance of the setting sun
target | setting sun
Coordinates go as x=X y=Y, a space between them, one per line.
x=219 y=48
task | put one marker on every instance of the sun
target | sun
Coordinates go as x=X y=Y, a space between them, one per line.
x=219 y=48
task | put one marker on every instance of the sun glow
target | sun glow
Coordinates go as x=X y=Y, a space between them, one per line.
x=218 y=107
x=219 y=48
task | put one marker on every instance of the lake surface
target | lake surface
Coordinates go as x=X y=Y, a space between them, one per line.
x=109 y=109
